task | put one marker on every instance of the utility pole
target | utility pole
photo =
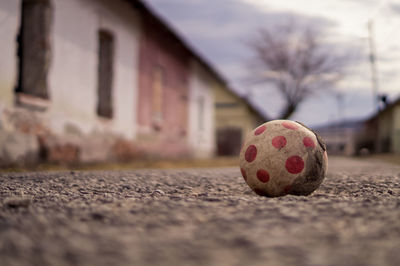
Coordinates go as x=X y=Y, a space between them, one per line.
x=374 y=67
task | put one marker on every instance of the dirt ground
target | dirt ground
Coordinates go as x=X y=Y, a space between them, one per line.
x=199 y=216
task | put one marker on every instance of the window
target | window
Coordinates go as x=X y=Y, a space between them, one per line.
x=157 y=97
x=34 y=48
x=105 y=74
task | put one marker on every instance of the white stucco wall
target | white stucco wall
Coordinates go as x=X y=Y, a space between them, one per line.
x=201 y=133
x=9 y=24
x=73 y=74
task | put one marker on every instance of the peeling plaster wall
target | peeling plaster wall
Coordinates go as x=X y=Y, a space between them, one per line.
x=70 y=122
x=73 y=75
x=9 y=24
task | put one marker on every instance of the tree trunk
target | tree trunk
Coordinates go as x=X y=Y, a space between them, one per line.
x=288 y=111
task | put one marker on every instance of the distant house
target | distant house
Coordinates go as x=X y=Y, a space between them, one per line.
x=341 y=138
x=378 y=134
x=235 y=117
x=381 y=132
x=95 y=80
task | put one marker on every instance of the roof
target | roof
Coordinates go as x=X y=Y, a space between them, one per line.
x=146 y=10
x=252 y=107
x=385 y=109
x=344 y=124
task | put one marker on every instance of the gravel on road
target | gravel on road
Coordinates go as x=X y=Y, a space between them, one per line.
x=199 y=217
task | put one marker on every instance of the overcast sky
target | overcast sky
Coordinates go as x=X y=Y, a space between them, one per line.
x=218 y=30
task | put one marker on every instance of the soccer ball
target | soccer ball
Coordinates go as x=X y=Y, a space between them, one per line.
x=283 y=157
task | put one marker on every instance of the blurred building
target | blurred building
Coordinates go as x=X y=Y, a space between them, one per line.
x=94 y=80
x=68 y=79
x=176 y=98
x=235 y=117
x=381 y=132
x=341 y=137
x=378 y=134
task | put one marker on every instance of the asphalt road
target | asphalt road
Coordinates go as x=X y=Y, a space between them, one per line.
x=199 y=217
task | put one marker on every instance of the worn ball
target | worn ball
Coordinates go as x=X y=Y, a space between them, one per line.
x=283 y=157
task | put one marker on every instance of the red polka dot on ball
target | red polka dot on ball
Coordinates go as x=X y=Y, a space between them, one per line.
x=263 y=175
x=279 y=142
x=308 y=142
x=260 y=130
x=289 y=125
x=251 y=153
x=243 y=173
x=294 y=164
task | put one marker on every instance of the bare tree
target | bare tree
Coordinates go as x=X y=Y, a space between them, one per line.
x=295 y=61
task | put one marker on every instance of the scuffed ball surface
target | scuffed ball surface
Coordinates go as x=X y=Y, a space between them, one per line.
x=283 y=157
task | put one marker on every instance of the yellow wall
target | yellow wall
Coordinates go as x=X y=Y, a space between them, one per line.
x=389 y=130
x=385 y=131
x=235 y=113
x=396 y=130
